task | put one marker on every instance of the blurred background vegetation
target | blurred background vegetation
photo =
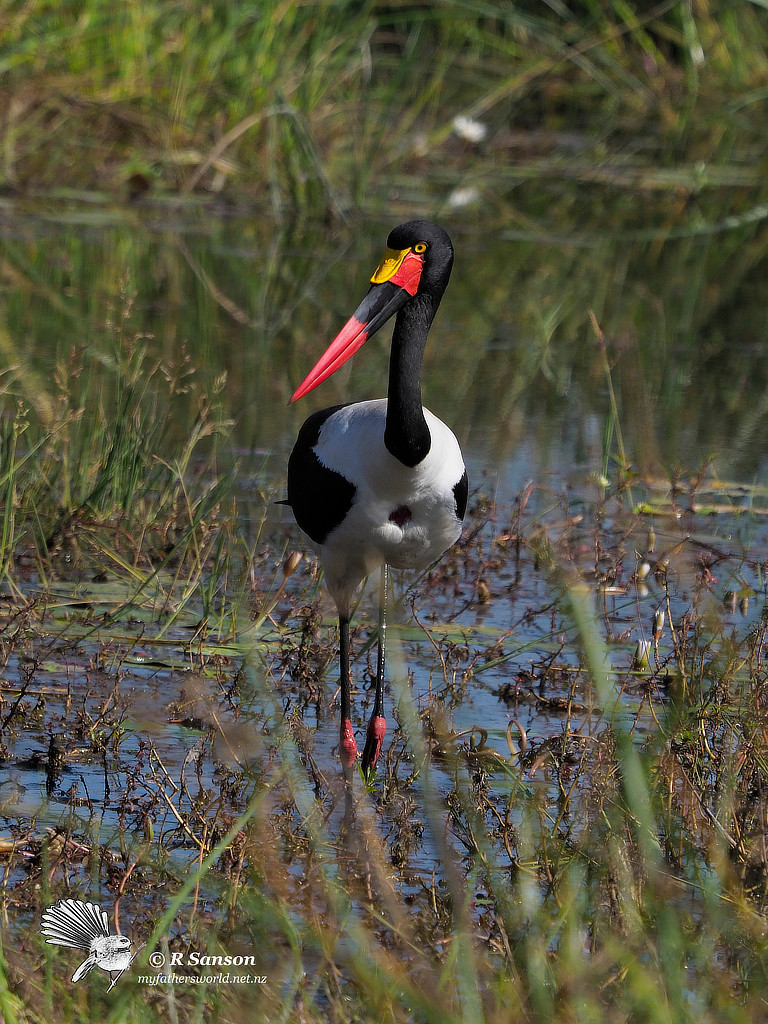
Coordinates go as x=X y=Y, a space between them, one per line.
x=348 y=105
x=239 y=165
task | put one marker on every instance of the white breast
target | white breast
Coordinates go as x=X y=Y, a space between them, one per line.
x=400 y=515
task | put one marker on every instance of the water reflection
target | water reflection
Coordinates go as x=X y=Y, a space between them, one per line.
x=512 y=363
x=236 y=312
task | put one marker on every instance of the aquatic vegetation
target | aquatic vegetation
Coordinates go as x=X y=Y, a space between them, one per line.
x=323 y=105
x=594 y=846
x=570 y=820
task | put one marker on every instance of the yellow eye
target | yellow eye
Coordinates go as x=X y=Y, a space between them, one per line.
x=420 y=247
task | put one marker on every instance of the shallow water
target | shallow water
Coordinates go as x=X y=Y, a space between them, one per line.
x=512 y=362
x=514 y=367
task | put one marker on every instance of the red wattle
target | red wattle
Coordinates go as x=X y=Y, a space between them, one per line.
x=408 y=274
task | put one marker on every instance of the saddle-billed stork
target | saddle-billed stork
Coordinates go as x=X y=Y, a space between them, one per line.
x=380 y=483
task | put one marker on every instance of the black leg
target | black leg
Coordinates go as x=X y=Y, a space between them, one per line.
x=377 y=726
x=347 y=745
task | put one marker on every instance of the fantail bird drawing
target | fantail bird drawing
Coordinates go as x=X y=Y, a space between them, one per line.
x=85 y=926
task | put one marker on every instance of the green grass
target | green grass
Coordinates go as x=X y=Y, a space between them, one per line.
x=613 y=869
x=320 y=104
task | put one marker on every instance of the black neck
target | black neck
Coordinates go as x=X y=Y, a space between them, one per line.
x=406 y=434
